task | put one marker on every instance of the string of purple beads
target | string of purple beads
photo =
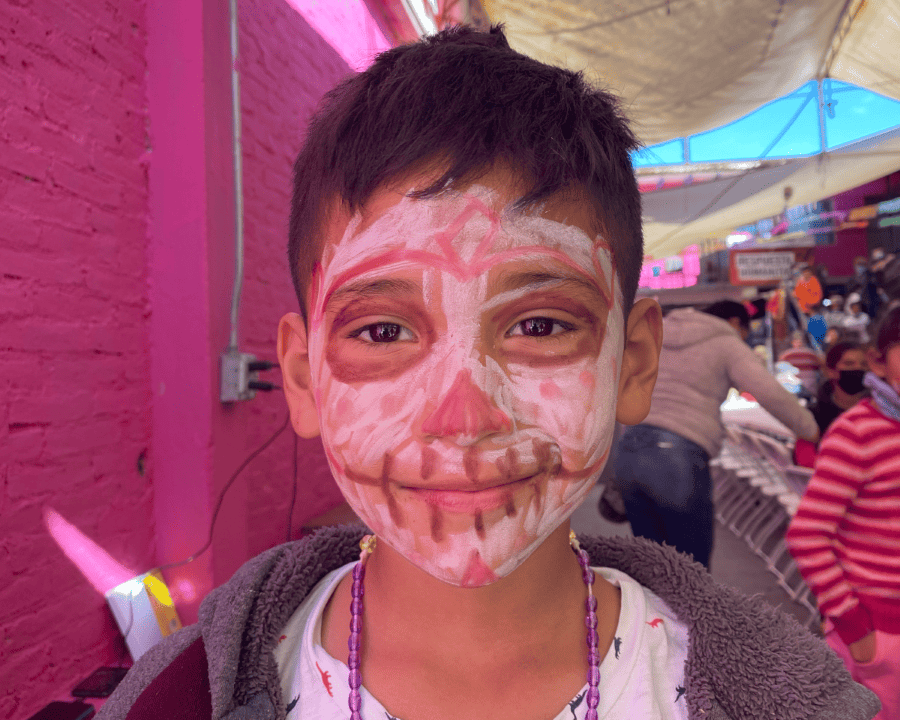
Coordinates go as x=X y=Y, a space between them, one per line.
x=354 y=644
x=590 y=621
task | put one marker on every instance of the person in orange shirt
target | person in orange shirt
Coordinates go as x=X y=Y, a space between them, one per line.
x=808 y=290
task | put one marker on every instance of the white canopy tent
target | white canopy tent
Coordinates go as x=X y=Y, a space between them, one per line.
x=685 y=67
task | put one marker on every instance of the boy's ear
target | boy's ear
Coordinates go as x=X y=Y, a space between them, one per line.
x=640 y=361
x=293 y=356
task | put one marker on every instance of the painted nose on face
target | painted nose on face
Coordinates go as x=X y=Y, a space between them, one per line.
x=466 y=412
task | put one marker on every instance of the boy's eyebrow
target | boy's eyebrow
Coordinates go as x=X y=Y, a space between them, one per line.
x=370 y=288
x=518 y=280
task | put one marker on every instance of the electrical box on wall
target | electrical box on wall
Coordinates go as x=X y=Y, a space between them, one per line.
x=236 y=374
x=144 y=611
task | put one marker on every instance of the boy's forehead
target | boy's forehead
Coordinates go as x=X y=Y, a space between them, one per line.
x=467 y=233
x=504 y=187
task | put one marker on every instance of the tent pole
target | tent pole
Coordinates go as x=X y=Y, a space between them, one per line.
x=823 y=137
x=842 y=27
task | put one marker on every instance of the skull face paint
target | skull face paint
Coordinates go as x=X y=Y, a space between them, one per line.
x=464 y=363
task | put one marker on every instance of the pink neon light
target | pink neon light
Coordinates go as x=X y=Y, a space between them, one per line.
x=98 y=567
x=686 y=277
x=347 y=26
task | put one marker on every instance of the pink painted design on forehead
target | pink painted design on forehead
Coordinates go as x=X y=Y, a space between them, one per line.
x=316 y=282
x=466 y=271
x=451 y=262
x=601 y=244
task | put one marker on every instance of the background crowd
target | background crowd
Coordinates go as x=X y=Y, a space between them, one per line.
x=845 y=415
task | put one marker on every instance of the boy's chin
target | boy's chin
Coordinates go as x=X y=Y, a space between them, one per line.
x=468 y=561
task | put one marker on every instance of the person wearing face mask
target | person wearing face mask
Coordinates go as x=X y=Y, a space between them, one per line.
x=846 y=532
x=845 y=366
x=704 y=354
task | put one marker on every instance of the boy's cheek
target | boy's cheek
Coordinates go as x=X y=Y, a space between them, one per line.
x=352 y=365
x=569 y=395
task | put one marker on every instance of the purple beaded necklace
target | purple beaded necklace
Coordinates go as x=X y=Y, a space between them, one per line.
x=367 y=544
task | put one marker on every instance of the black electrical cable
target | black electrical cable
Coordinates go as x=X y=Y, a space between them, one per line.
x=261 y=365
x=212 y=523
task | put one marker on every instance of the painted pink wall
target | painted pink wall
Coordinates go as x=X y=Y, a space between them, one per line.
x=285 y=69
x=116 y=265
x=180 y=354
x=347 y=26
x=74 y=363
x=198 y=442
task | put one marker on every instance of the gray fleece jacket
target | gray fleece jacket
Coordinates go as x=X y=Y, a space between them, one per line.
x=702 y=358
x=746 y=661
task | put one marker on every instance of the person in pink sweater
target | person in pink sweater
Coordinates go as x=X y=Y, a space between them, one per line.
x=846 y=532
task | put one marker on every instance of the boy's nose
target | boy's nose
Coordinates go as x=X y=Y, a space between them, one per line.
x=466 y=411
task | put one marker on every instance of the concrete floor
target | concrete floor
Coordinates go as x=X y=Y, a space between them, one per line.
x=733 y=563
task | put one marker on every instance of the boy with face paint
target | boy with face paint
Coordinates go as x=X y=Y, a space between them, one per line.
x=463 y=362
x=465 y=243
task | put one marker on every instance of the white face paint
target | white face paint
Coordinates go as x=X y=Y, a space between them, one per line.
x=465 y=368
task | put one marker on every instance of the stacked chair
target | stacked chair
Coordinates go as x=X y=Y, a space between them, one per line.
x=757 y=489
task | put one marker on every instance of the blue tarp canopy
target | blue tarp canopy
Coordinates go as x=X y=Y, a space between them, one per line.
x=818 y=116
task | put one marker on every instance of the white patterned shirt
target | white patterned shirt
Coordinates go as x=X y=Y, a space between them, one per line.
x=641 y=676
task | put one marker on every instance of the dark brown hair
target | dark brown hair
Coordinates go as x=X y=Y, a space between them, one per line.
x=836 y=352
x=727 y=309
x=888 y=333
x=464 y=101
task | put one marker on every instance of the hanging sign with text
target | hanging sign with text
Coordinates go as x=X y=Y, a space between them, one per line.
x=749 y=267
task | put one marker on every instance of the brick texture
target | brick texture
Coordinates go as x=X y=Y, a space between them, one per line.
x=74 y=359
x=285 y=69
x=74 y=372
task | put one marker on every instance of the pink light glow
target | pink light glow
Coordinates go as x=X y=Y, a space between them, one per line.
x=347 y=26
x=661 y=279
x=98 y=567
x=691 y=255
x=185 y=590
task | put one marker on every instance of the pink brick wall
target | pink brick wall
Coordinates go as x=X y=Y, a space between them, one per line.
x=74 y=406
x=75 y=309
x=285 y=69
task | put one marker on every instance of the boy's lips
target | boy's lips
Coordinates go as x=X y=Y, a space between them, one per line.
x=472 y=499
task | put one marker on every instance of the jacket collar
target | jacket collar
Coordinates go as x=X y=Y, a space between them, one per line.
x=738 y=646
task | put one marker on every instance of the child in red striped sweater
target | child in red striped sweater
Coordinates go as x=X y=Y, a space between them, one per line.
x=846 y=534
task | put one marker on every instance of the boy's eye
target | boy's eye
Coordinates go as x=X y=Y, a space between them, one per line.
x=382 y=333
x=540 y=327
